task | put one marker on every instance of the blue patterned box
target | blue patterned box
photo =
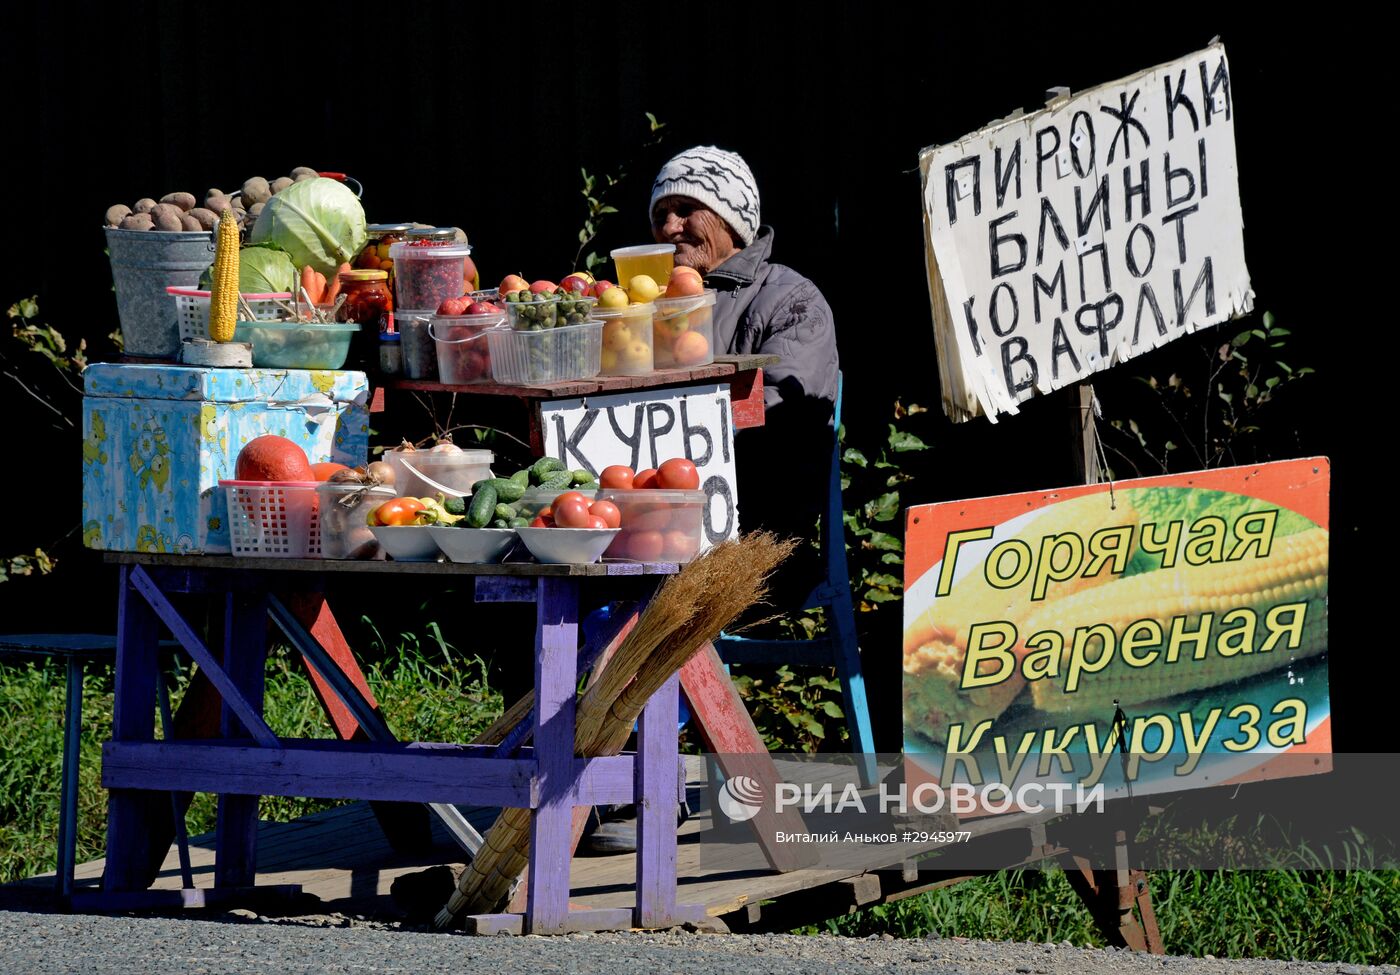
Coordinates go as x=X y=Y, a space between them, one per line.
x=157 y=439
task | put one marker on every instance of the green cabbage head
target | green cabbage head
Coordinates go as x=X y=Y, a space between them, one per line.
x=319 y=222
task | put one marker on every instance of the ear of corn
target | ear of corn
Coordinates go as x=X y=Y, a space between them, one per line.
x=1295 y=571
x=223 y=296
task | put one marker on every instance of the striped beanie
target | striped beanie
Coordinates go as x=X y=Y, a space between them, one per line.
x=721 y=180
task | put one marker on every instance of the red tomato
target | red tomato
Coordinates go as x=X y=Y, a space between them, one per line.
x=652 y=517
x=398 y=511
x=618 y=548
x=645 y=546
x=542 y=522
x=679 y=546
x=595 y=522
x=645 y=479
x=678 y=474
x=568 y=496
x=617 y=478
x=608 y=511
x=571 y=513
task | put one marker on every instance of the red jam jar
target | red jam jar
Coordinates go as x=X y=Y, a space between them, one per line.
x=367 y=299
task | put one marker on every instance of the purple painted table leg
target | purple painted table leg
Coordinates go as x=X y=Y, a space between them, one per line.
x=133 y=719
x=556 y=680
x=245 y=656
x=657 y=760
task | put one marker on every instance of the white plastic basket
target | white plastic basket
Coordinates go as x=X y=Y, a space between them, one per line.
x=273 y=519
x=192 y=309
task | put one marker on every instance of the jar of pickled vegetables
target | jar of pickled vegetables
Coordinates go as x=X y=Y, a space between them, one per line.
x=375 y=255
x=368 y=299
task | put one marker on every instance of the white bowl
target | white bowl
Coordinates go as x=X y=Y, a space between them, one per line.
x=567 y=545
x=473 y=544
x=407 y=543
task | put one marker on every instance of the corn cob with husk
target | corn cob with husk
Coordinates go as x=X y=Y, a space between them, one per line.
x=935 y=642
x=223 y=294
x=1295 y=571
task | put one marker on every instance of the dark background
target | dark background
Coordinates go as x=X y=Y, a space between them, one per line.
x=456 y=114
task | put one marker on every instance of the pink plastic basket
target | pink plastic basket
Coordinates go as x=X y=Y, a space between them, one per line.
x=192 y=309
x=273 y=519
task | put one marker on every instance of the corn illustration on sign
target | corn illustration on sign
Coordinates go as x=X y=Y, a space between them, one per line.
x=1166 y=632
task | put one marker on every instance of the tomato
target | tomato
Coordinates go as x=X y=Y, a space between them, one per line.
x=595 y=522
x=678 y=474
x=651 y=517
x=568 y=496
x=571 y=513
x=608 y=511
x=645 y=479
x=679 y=546
x=645 y=546
x=398 y=511
x=617 y=477
x=542 y=522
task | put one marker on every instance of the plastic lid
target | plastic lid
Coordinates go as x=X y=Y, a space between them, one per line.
x=390 y=336
x=420 y=457
x=642 y=249
x=409 y=251
x=363 y=275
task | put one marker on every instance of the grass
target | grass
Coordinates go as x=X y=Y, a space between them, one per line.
x=426 y=691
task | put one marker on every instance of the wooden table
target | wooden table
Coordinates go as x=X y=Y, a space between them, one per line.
x=247 y=759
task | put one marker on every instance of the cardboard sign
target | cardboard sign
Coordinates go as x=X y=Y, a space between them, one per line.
x=1185 y=616
x=644 y=428
x=1103 y=226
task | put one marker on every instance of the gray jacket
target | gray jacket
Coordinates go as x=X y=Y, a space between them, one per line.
x=761 y=307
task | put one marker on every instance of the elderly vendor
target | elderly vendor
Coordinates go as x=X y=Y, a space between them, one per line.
x=705 y=201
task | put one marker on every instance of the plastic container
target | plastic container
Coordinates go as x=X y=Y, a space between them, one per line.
x=192 y=309
x=658 y=525
x=343 y=510
x=549 y=311
x=627 y=340
x=552 y=355
x=144 y=264
x=473 y=545
x=297 y=345
x=567 y=546
x=407 y=543
x=422 y=473
x=427 y=273
x=419 y=352
x=390 y=354
x=653 y=260
x=463 y=353
x=273 y=519
x=683 y=331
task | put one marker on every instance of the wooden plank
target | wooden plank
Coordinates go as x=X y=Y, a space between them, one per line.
x=657 y=807
x=245 y=658
x=335 y=567
x=198 y=897
x=722 y=367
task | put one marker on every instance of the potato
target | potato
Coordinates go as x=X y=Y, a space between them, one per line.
x=190 y=223
x=115 y=214
x=210 y=193
x=218 y=204
x=167 y=216
x=280 y=183
x=144 y=205
x=256 y=190
x=207 y=218
x=256 y=209
x=137 y=221
x=304 y=172
x=185 y=201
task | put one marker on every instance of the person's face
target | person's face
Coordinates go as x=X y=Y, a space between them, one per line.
x=703 y=240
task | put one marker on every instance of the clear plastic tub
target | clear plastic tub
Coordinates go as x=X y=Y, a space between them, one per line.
x=627 y=342
x=654 y=260
x=427 y=275
x=684 y=331
x=419 y=352
x=549 y=311
x=423 y=473
x=463 y=353
x=343 y=510
x=297 y=345
x=657 y=525
x=553 y=355
x=273 y=519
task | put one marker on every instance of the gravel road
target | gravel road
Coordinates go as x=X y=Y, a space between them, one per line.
x=238 y=943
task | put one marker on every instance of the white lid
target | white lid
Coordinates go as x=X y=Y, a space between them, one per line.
x=405 y=251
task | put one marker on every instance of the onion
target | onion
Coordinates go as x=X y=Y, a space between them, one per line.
x=347 y=477
x=445 y=446
x=380 y=472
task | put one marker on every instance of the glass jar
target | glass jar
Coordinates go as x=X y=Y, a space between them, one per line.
x=438 y=235
x=390 y=353
x=375 y=254
x=368 y=299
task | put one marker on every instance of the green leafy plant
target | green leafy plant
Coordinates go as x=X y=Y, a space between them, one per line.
x=791 y=710
x=598 y=189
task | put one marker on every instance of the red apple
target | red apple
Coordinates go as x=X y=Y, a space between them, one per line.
x=578 y=281
x=482 y=308
x=513 y=282
x=598 y=288
x=543 y=287
x=454 y=306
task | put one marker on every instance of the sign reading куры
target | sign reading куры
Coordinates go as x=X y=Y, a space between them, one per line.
x=642 y=429
x=1062 y=242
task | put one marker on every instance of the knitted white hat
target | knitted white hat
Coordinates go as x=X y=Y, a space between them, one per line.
x=719 y=179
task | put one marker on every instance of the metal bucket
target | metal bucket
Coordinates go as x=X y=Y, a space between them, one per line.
x=144 y=264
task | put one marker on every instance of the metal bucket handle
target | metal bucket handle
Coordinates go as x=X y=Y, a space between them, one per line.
x=359 y=187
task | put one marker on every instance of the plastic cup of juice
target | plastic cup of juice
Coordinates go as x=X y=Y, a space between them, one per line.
x=653 y=260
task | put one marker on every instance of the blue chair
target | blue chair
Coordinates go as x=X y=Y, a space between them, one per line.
x=838 y=646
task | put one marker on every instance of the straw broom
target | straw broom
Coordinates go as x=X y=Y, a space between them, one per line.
x=688 y=610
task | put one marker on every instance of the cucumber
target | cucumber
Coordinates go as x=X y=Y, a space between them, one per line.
x=500 y=523
x=557 y=481
x=583 y=478
x=520 y=523
x=483 y=507
x=455 y=506
x=477 y=485
x=504 y=512
x=544 y=467
x=522 y=478
x=507 y=490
